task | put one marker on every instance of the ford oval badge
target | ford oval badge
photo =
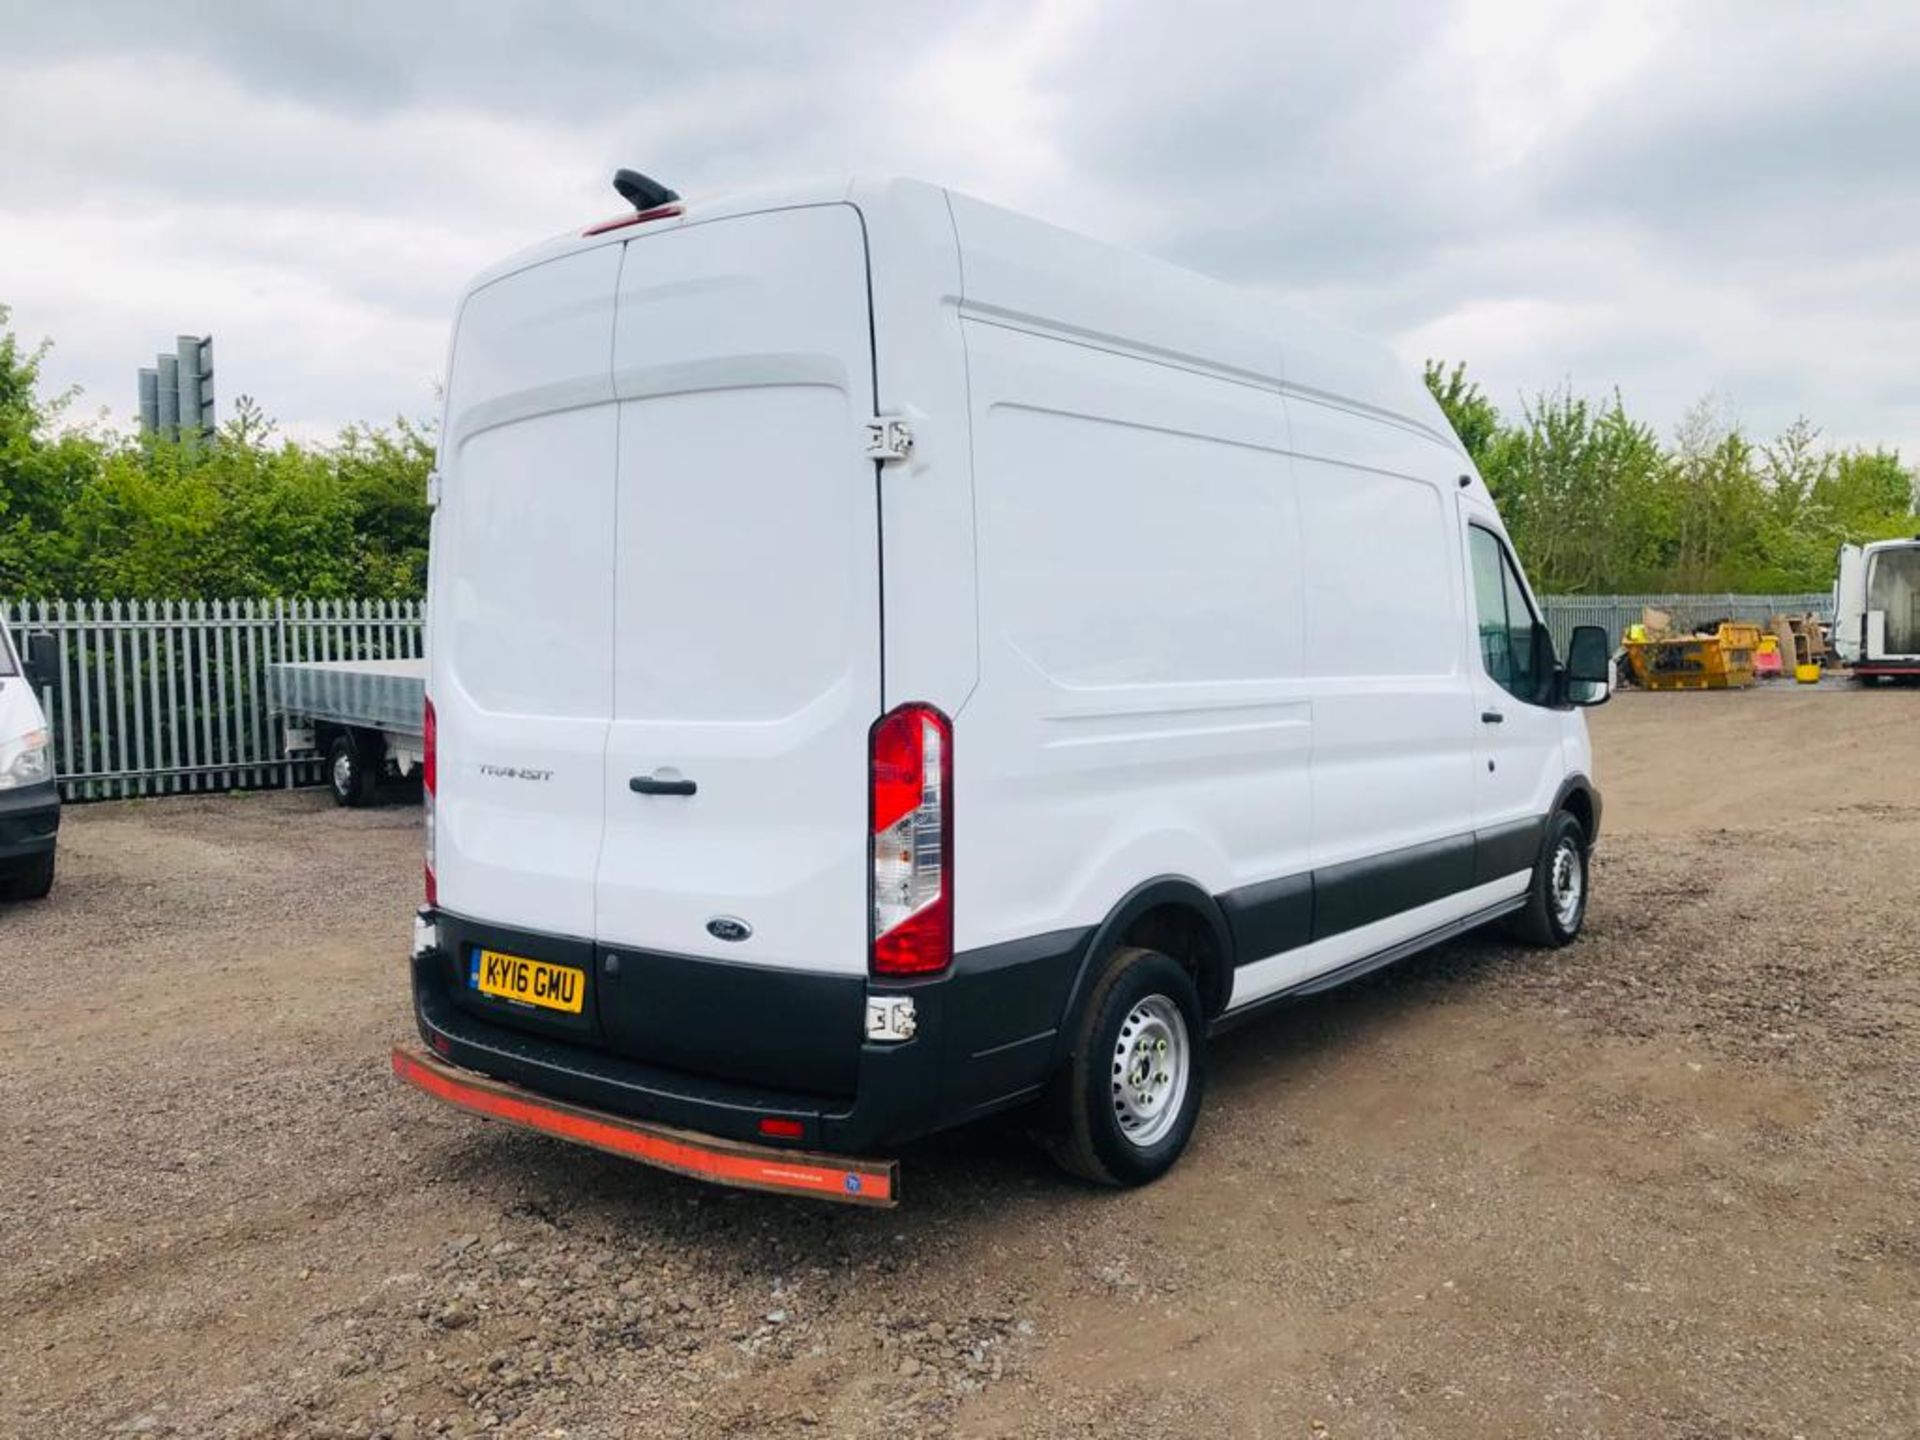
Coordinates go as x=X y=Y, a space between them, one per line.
x=725 y=927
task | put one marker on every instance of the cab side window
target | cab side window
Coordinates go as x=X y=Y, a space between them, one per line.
x=1505 y=618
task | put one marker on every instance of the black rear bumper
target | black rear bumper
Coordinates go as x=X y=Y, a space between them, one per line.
x=29 y=821
x=730 y=1048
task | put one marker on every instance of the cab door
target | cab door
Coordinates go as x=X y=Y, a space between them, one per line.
x=1518 y=757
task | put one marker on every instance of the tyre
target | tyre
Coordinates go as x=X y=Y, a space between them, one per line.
x=1132 y=1087
x=31 y=880
x=1557 y=899
x=351 y=773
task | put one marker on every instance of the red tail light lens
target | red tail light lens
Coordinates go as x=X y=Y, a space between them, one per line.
x=781 y=1128
x=429 y=774
x=910 y=805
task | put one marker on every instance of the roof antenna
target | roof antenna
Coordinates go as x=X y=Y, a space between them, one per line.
x=640 y=192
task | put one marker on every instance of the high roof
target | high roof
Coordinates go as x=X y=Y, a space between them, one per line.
x=1027 y=270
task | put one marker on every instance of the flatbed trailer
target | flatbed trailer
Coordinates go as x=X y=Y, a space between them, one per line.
x=365 y=718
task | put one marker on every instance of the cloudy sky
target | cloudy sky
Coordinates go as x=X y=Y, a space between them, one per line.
x=1677 y=198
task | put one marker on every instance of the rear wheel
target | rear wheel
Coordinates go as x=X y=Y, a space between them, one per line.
x=31 y=880
x=351 y=772
x=1133 y=1085
x=1557 y=900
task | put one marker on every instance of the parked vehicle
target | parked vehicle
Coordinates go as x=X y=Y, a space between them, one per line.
x=29 y=798
x=893 y=661
x=1876 y=608
x=362 y=716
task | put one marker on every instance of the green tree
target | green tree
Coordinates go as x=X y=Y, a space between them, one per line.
x=42 y=469
x=1566 y=478
x=1472 y=415
x=1869 y=493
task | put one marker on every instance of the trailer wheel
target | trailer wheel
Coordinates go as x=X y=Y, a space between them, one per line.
x=352 y=774
x=1133 y=1084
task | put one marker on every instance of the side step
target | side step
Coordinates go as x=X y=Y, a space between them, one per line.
x=705 y=1157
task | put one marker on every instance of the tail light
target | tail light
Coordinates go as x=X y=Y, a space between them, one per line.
x=428 y=777
x=910 y=804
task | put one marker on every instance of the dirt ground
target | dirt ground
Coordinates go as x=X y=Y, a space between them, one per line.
x=1663 y=1183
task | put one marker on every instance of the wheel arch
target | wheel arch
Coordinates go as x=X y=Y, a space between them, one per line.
x=1170 y=913
x=1578 y=797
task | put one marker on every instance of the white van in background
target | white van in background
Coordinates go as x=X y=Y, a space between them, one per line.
x=1876 y=609
x=891 y=660
x=29 y=799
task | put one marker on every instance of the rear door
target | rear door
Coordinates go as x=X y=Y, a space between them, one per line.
x=746 y=606
x=521 y=594
x=1850 y=603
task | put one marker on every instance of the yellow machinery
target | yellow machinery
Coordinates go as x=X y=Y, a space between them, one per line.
x=1722 y=661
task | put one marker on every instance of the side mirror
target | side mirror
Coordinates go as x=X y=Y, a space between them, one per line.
x=1589 y=658
x=43 y=661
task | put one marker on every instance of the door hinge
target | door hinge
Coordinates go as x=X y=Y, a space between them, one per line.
x=888 y=438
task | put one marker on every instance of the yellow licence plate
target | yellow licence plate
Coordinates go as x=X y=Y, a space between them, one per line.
x=528 y=982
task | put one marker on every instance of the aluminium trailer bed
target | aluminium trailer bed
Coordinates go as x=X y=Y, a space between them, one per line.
x=364 y=718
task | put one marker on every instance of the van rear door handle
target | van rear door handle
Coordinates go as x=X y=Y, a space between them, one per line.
x=649 y=785
x=1492 y=717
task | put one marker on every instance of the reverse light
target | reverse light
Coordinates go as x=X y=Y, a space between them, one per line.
x=910 y=808
x=428 y=778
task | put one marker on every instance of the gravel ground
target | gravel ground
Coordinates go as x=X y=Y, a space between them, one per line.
x=1664 y=1183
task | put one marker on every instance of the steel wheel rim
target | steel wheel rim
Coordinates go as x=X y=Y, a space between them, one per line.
x=343 y=773
x=1152 y=1059
x=1569 y=884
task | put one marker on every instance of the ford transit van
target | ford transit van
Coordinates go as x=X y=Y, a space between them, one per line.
x=892 y=661
x=29 y=799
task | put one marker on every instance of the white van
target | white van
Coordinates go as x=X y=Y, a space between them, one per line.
x=1876 y=609
x=29 y=799
x=892 y=661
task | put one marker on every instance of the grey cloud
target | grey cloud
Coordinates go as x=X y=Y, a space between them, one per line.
x=567 y=61
x=1738 y=213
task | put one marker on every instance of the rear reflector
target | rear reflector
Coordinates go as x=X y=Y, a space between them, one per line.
x=910 y=809
x=780 y=1128
x=705 y=1157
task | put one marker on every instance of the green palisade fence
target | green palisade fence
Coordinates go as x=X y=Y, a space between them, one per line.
x=164 y=697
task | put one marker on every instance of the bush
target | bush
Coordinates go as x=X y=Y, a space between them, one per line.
x=1596 y=505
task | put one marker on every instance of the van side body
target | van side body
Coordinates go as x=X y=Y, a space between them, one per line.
x=1223 y=622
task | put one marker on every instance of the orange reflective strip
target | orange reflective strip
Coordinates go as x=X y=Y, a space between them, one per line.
x=855 y=1180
